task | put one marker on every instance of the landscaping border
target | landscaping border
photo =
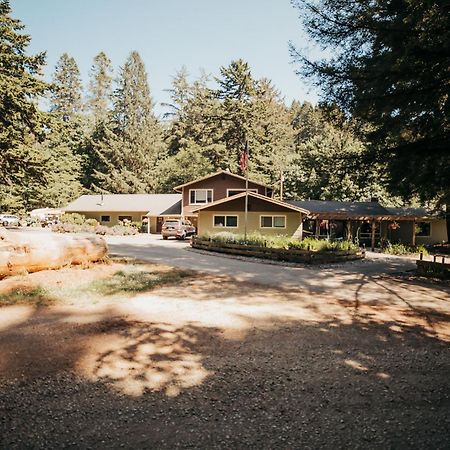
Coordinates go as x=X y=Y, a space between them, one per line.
x=278 y=254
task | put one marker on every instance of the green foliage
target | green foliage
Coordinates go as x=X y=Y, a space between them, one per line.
x=129 y=146
x=388 y=67
x=116 y=230
x=22 y=125
x=67 y=88
x=73 y=219
x=403 y=249
x=260 y=240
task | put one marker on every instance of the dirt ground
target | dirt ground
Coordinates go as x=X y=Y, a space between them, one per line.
x=208 y=362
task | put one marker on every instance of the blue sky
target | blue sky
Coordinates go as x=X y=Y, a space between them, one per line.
x=199 y=34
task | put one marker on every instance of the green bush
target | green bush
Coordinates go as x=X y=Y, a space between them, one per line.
x=259 y=240
x=403 y=249
x=73 y=219
x=91 y=222
x=117 y=230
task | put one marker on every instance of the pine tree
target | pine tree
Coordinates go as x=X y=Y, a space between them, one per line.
x=129 y=147
x=389 y=66
x=21 y=123
x=100 y=87
x=66 y=100
x=236 y=89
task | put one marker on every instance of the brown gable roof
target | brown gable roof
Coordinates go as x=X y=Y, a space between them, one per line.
x=255 y=195
x=226 y=172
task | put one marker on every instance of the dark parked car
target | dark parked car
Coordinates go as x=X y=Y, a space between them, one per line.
x=178 y=228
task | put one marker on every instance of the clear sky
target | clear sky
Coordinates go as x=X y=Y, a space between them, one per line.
x=199 y=34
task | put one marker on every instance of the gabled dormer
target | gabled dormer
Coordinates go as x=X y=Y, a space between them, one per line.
x=215 y=187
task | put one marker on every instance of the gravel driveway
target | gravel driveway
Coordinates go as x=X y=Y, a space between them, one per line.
x=247 y=355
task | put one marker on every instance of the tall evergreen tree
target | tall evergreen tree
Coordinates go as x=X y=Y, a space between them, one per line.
x=236 y=89
x=21 y=123
x=390 y=67
x=100 y=87
x=130 y=147
x=66 y=99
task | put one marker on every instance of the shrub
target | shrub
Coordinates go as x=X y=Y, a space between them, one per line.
x=73 y=218
x=403 y=249
x=257 y=239
x=117 y=230
x=91 y=222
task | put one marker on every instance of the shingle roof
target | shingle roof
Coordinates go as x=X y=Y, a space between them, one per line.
x=155 y=204
x=356 y=209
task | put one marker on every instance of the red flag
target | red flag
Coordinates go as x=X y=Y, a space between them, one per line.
x=243 y=161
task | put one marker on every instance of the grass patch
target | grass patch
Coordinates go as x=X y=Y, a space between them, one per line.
x=36 y=295
x=134 y=279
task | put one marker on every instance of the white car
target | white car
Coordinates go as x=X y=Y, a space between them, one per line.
x=8 y=220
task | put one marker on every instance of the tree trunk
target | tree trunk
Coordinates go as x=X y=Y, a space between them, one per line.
x=33 y=251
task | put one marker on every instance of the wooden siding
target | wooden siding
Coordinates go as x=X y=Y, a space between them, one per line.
x=219 y=184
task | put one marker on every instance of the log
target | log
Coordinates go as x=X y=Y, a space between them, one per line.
x=35 y=251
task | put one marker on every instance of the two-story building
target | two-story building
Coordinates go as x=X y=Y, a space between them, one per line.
x=217 y=202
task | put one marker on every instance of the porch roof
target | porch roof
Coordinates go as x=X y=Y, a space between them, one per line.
x=329 y=209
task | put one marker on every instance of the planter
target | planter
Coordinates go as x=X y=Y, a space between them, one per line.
x=277 y=254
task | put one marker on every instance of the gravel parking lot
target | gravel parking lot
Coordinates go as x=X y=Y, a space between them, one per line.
x=343 y=359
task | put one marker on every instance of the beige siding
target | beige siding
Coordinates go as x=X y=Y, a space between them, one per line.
x=438 y=233
x=206 y=222
x=114 y=216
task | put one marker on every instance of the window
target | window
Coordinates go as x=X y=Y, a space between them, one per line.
x=105 y=219
x=423 y=229
x=226 y=221
x=231 y=192
x=200 y=196
x=273 y=221
x=125 y=219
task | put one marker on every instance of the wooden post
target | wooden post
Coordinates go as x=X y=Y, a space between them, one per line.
x=349 y=230
x=372 y=237
x=413 y=240
x=317 y=232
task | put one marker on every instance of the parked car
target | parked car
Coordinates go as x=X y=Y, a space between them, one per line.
x=179 y=229
x=8 y=220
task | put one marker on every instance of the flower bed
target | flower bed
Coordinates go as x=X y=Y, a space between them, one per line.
x=309 y=251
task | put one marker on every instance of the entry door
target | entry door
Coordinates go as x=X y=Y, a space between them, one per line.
x=159 y=224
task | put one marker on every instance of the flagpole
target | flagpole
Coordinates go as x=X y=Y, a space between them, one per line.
x=246 y=191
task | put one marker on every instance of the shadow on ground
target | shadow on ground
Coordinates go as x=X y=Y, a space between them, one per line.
x=100 y=379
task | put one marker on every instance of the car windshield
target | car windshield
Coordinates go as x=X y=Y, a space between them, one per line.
x=171 y=223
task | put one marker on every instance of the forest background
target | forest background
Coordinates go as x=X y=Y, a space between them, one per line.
x=105 y=137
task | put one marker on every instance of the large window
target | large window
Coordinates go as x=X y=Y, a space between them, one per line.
x=125 y=219
x=226 y=221
x=423 y=229
x=105 y=218
x=273 y=222
x=200 y=196
x=231 y=192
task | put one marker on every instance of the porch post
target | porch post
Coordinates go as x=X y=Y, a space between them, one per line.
x=373 y=235
x=349 y=230
x=317 y=232
x=413 y=240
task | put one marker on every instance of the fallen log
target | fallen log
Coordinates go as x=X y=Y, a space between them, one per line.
x=33 y=251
